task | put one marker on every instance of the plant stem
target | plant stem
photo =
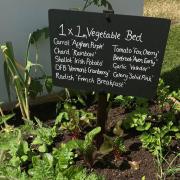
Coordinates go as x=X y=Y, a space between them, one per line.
x=1 y=155
x=159 y=160
x=85 y=5
x=1 y=111
x=27 y=104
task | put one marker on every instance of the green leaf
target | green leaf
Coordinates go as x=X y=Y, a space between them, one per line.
x=24 y=158
x=35 y=88
x=36 y=35
x=145 y=127
x=119 y=144
x=107 y=145
x=42 y=168
x=137 y=119
x=42 y=148
x=177 y=135
x=143 y=178
x=60 y=176
x=64 y=157
x=90 y=137
x=60 y=117
x=79 y=173
x=5 y=118
x=174 y=129
x=118 y=131
x=9 y=172
x=49 y=84
x=7 y=80
x=16 y=78
x=80 y=99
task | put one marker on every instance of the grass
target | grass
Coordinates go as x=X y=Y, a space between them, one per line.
x=168 y=9
x=163 y=8
x=172 y=55
x=171 y=66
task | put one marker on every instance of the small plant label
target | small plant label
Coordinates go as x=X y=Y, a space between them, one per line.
x=120 y=54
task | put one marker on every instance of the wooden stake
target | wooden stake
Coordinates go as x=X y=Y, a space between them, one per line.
x=102 y=115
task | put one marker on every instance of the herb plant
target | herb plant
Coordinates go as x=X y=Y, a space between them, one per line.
x=44 y=136
x=156 y=141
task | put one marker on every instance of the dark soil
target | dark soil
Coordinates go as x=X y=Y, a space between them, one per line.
x=123 y=171
x=114 y=170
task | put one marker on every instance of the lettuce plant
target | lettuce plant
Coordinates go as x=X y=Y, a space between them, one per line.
x=65 y=154
x=138 y=119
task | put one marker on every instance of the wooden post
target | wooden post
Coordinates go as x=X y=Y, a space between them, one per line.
x=102 y=113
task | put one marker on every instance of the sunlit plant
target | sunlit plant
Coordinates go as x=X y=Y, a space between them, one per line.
x=104 y=3
x=18 y=76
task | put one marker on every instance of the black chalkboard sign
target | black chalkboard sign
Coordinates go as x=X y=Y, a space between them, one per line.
x=121 y=54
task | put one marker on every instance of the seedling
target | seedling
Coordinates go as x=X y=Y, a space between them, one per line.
x=118 y=148
x=74 y=120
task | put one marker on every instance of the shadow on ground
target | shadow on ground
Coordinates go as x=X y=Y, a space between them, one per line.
x=172 y=78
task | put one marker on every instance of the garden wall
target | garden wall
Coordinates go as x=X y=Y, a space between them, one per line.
x=18 y=18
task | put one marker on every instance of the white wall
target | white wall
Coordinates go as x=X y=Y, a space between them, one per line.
x=18 y=18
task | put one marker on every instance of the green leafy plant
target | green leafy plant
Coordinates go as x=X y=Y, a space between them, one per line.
x=17 y=149
x=65 y=155
x=43 y=168
x=13 y=75
x=44 y=136
x=118 y=148
x=78 y=173
x=167 y=100
x=86 y=147
x=124 y=101
x=114 y=145
x=18 y=76
x=138 y=119
x=156 y=140
x=162 y=91
x=74 y=120
x=163 y=109
x=8 y=172
x=19 y=152
x=48 y=84
x=172 y=169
